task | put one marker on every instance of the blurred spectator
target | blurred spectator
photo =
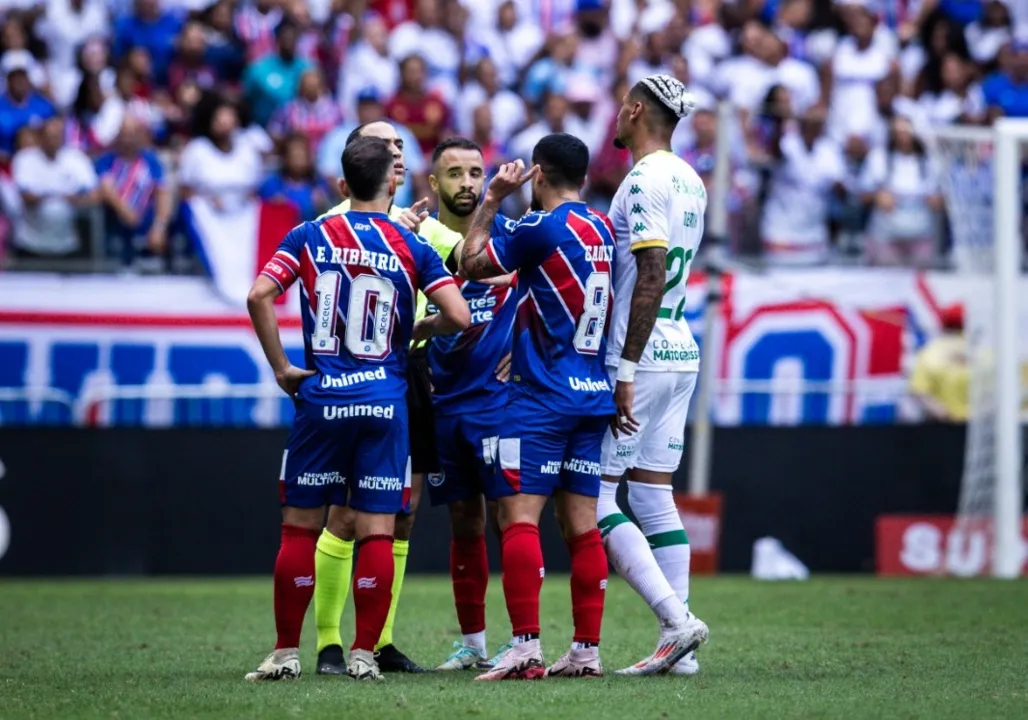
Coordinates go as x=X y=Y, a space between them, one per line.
x=14 y=35
x=54 y=182
x=368 y=65
x=20 y=105
x=80 y=124
x=308 y=42
x=808 y=168
x=225 y=51
x=423 y=111
x=941 y=377
x=223 y=164
x=904 y=224
x=297 y=182
x=92 y=58
x=1006 y=91
x=652 y=57
x=989 y=33
x=68 y=24
x=440 y=52
x=129 y=99
x=370 y=109
x=851 y=210
x=255 y=25
x=508 y=109
x=190 y=63
x=950 y=95
x=550 y=72
x=609 y=165
x=483 y=133
x=271 y=82
x=312 y=114
x=939 y=35
x=511 y=40
x=135 y=196
x=148 y=28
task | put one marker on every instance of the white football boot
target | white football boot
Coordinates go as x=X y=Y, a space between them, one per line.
x=688 y=665
x=672 y=647
x=283 y=664
x=462 y=658
x=362 y=666
x=577 y=662
x=524 y=661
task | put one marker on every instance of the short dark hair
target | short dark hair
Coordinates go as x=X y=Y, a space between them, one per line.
x=563 y=159
x=367 y=165
x=659 y=112
x=356 y=133
x=454 y=143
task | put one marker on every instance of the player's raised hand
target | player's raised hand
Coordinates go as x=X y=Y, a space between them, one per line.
x=510 y=177
x=290 y=378
x=624 y=423
x=412 y=217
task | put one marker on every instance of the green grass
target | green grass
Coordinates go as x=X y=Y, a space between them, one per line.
x=828 y=648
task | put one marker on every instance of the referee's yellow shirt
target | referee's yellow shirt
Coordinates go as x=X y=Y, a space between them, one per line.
x=442 y=239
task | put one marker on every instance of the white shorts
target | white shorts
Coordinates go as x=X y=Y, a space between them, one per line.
x=661 y=406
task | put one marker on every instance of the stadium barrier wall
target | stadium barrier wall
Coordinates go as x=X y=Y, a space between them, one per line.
x=112 y=502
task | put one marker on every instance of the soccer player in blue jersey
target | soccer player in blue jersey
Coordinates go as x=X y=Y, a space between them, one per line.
x=469 y=395
x=561 y=399
x=359 y=275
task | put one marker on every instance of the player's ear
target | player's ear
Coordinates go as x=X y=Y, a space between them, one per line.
x=636 y=111
x=343 y=189
x=433 y=182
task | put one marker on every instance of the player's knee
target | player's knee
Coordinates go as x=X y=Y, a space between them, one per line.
x=342 y=522
x=519 y=509
x=467 y=518
x=307 y=518
x=368 y=524
x=576 y=516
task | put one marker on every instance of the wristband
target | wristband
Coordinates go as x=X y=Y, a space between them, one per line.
x=626 y=370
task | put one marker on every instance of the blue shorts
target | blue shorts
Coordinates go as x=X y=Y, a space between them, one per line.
x=356 y=455
x=542 y=454
x=466 y=446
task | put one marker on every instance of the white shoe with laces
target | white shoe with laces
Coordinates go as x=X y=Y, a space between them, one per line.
x=462 y=658
x=282 y=664
x=362 y=666
x=577 y=662
x=688 y=665
x=524 y=661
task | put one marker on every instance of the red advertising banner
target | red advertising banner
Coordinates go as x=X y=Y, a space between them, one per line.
x=934 y=545
x=701 y=517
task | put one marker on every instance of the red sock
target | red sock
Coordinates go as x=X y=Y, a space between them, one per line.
x=588 y=585
x=469 y=572
x=372 y=589
x=294 y=583
x=522 y=576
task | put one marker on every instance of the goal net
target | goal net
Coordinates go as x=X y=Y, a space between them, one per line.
x=980 y=174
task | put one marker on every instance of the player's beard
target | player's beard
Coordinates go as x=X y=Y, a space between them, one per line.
x=620 y=144
x=450 y=201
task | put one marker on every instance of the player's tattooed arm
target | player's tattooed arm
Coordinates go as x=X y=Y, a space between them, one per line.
x=646 y=298
x=475 y=263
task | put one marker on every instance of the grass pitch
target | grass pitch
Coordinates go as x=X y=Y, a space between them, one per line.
x=828 y=648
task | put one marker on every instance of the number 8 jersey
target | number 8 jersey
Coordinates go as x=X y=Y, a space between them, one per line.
x=565 y=264
x=359 y=277
x=660 y=204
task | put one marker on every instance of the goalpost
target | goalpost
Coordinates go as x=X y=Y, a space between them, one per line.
x=980 y=173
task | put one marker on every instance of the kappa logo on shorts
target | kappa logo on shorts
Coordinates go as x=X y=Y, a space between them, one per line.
x=436 y=479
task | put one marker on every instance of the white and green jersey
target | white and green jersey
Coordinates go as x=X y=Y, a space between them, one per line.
x=660 y=204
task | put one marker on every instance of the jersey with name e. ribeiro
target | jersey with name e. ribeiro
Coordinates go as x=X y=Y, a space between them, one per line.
x=464 y=364
x=565 y=265
x=359 y=276
x=659 y=204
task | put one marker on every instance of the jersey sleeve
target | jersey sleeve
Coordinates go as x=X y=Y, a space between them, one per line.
x=646 y=212
x=524 y=246
x=432 y=273
x=284 y=265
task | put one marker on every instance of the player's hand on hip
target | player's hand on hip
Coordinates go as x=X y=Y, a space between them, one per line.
x=290 y=378
x=510 y=177
x=503 y=369
x=624 y=423
x=412 y=217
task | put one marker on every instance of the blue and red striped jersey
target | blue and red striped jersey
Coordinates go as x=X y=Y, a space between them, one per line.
x=359 y=277
x=565 y=265
x=464 y=364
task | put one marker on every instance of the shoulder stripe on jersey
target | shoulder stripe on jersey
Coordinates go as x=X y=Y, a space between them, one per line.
x=569 y=290
x=398 y=244
x=491 y=252
x=441 y=282
x=589 y=237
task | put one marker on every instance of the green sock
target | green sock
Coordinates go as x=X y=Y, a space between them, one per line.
x=400 y=548
x=333 y=563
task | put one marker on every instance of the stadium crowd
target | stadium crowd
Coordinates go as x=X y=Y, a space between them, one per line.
x=121 y=109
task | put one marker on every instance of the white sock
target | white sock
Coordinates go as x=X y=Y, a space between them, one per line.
x=631 y=557
x=476 y=641
x=654 y=508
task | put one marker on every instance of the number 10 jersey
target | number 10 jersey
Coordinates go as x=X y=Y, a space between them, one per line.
x=660 y=204
x=359 y=277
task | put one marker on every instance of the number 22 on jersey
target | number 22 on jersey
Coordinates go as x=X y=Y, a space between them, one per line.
x=678 y=261
x=369 y=316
